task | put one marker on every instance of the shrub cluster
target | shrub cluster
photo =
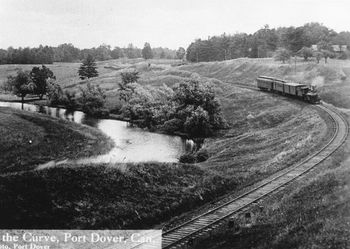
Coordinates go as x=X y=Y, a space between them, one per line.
x=90 y=100
x=191 y=108
x=195 y=157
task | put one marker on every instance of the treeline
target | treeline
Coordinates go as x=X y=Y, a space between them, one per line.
x=69 y=53
x=265 y=41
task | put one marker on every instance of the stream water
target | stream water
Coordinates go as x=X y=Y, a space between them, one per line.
x=131 y=144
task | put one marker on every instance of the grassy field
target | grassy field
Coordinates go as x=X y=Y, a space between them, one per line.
x=266 y=134
x=29 y=139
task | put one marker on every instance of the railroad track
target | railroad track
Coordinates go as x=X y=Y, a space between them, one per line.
x=181 y=235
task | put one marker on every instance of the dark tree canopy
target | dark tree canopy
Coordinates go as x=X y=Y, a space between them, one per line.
x=92 y=100
x=190 y=107
x=129 y=76
x=88 y=68
x=305 y=52
x=67 y=52
x=147 y=51
x=180 y=53
x=40 y=77
x=265 y=42
x=125 y=88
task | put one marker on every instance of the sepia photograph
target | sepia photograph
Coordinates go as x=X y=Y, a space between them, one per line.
x=195 y=124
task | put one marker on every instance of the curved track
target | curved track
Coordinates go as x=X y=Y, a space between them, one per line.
x=180 y=235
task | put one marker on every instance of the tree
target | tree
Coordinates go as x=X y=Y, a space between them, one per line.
x=305 y=52
x=327 y=54
x=147 y=51
x=21 y=84
x=131 y=51
x=196 y=106
x=293 y=38
x=318 y=55
x=125 y=88
x=197 y=123
x=315 y=32
x=282 y=54
x=54 y=93
x=343 y=38
x=66 y=53
x=265 y=41
x=117 y=53
x=40 y=77
x=129 y=76
x=180 y=53
x=326 y=49
x=103 y=52
x=88 y=68
x=93 y=100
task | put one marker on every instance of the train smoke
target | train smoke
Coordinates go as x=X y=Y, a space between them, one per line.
x=318 y=82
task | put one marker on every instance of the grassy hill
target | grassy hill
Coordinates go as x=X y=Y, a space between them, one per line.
x=332 y=80
x=29 y=139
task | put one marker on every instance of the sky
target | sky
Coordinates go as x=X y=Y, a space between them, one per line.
x=165 y=23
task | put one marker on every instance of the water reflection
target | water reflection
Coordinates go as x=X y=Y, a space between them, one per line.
x=131 y=144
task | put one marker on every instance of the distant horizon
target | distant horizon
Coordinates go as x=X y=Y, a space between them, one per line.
x=112 y=47
x=163 y=23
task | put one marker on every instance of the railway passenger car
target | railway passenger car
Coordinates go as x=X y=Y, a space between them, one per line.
x=293 y=89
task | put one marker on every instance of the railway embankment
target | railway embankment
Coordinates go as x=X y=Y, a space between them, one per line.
x=312 y=211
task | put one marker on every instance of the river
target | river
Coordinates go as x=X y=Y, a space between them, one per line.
x=132 y=144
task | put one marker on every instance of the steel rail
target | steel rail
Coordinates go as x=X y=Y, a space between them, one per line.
x=212 y=218
x=178 y=236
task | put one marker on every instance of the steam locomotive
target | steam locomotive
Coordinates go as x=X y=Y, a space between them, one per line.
x=283 y=87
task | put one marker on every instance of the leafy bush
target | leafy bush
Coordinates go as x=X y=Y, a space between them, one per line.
x=202 y=155
x=189 y=108
x=197 y=123
x=344 y=55
x=54 y=93
x=188 y=158
x=56 y=96
x=172 y=125
x=92 y=101
x=69 y=100
x=129 y=76
x=305 y=52
x=282 y=54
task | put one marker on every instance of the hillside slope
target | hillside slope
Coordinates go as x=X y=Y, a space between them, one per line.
x=332 y=80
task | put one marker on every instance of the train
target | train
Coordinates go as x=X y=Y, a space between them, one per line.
x=292 y=89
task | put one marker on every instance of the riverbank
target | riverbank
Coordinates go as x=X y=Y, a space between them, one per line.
x=29 y=139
